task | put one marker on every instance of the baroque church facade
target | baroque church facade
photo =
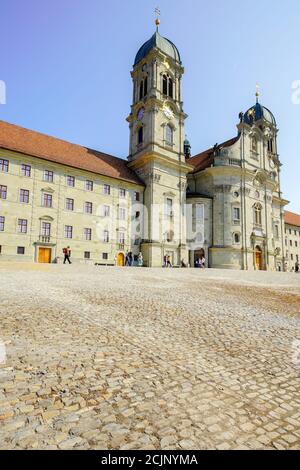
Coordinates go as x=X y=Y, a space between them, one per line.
x=224 y=204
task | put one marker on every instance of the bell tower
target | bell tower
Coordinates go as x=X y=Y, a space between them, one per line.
x=156 y=150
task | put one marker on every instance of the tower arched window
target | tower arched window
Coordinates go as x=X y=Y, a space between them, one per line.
x=169 y=135
x=270 y=145
x=165 y=85
x=140 y=135
x=170 y=90
x=143 y=88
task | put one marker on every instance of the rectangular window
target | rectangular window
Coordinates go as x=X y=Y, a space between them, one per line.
x=69 y=204
x=106 y=211
x=88 y=207
x=236 y=213
x=200 y=213
x=106 y=236
x=122 y=213
x=296 y=244
x=3 y=191
x=71 y=181
x=291 y=243
x=122 y=192
x=0 y=249
x=22 y=225
x=87 y=233
x=89 y=185
x=21 y=250
x=46 y=229
x=105 y=256
x=106 y=189
x=276 y=231
x=4 y=165
x=169 y=207
x=121 y=238
x=136 y=196
x=47 y=200
x=24 y=196
x=48 y=176
x=68 y=231
x=87 y=255
x=2 y=223
x=25 y=170
x=137 y=214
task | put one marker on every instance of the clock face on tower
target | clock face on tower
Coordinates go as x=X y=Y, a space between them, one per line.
x=168 y=112
x=140 y=114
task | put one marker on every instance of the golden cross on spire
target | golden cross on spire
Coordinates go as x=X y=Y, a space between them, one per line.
x=257 y=94
x=157 y=21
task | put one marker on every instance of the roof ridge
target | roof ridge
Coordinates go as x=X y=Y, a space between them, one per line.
x=42 y=134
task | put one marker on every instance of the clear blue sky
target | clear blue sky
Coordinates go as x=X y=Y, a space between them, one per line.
x=66 y=65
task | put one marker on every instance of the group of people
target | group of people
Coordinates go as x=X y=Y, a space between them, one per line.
x=167 y=261
x=200 y=262
x=129 y=259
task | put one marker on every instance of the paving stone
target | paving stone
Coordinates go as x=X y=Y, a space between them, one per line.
x=122 y=363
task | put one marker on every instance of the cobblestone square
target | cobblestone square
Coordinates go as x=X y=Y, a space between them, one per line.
x=134 y=358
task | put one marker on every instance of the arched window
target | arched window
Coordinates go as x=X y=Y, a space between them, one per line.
x=165 y=85
x=170 y=88
x=237 y=238
x=169 y=135
x=141 y=89
x=257 y=214
x=140 y=135
x=270 y=146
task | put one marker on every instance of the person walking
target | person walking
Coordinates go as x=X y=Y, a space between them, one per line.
x=140 y=260
x=67 y=255
x=165 y=261
x=169 y=264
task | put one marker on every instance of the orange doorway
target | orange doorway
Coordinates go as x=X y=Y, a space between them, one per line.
x=44 y=255
x=120 y=259
x=258 y=258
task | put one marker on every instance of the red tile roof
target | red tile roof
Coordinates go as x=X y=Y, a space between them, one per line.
x=33 y=143
x=291 y=218
x=205 y=159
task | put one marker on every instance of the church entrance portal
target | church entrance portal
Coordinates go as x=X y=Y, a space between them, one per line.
x=121 y=259
x=258 y=258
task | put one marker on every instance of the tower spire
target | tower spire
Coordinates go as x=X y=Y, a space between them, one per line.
x=157 y=20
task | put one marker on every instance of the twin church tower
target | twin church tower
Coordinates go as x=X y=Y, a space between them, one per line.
x=224 y=204
x=157 y=152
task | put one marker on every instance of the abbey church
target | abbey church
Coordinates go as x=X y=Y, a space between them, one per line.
x=224 y=204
